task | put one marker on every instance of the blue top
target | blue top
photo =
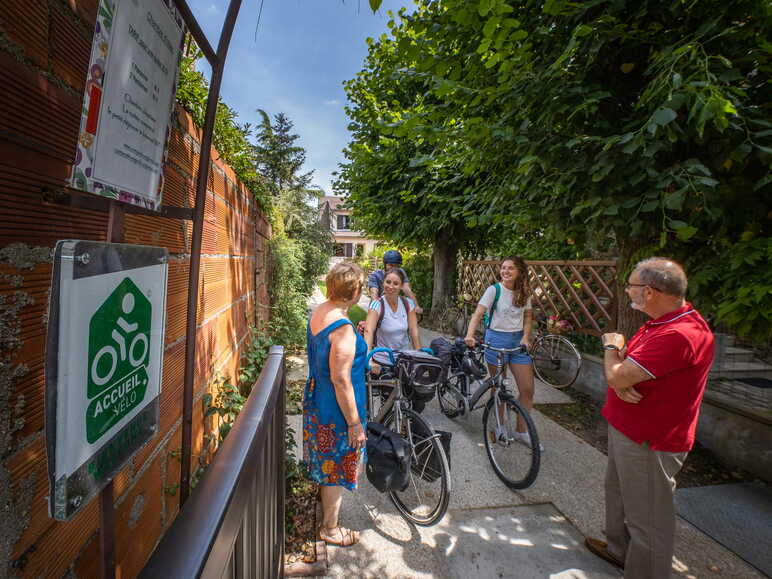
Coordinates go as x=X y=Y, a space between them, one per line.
x=376 y=278
x=330 y=459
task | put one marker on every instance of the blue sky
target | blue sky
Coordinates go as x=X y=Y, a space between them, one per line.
x=303 y=52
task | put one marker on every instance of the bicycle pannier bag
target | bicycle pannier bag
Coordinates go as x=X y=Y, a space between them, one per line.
x=388 y=459
x=443 y=349
x=423 y=373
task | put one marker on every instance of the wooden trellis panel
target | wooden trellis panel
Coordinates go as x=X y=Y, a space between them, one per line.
x=582 y=292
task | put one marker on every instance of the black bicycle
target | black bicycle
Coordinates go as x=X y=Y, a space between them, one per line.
x=510 y=436
x=410 y=376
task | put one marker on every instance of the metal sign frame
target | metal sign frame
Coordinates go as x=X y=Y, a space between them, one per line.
x=84 y=454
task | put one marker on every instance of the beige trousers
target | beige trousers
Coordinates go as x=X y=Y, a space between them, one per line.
x=640 y=510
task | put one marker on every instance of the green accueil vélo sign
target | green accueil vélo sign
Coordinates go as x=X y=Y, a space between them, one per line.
x=118 y=354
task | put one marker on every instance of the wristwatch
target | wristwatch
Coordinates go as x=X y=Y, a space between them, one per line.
x=610 y=347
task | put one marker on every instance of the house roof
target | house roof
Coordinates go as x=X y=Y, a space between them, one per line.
x=332 y=200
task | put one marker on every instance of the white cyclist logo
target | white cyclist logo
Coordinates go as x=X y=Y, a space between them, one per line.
x=136 y=351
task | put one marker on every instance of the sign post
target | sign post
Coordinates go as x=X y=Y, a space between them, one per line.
x=103 y=364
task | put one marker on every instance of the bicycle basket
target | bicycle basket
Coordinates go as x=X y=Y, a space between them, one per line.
x=422 y=373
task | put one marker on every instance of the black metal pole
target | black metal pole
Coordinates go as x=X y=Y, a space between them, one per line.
x=218 y=67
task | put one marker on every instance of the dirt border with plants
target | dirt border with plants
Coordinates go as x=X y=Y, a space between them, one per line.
x=303 y=554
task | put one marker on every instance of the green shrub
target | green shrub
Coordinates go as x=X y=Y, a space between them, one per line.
x=356 y=314
x=420 y=270
x=287 y=291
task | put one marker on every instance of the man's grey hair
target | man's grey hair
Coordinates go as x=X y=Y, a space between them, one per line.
x=663 y=274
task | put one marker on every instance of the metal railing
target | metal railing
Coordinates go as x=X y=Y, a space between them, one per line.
x=233 y=523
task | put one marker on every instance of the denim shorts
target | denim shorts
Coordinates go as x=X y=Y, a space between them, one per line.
x=505 y=340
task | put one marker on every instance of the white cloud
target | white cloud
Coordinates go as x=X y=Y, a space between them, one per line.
x=332 y=102
x=213 y=9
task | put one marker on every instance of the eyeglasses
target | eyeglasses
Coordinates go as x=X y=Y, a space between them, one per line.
x=628 y=285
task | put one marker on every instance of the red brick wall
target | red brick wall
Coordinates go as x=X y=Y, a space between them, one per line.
x=44 y=53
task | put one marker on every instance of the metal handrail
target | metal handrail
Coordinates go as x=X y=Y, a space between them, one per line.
x=233 y=523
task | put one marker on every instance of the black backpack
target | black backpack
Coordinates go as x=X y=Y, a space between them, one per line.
x=388 y=458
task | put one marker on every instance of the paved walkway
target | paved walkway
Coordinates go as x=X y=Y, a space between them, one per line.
x=491 y=531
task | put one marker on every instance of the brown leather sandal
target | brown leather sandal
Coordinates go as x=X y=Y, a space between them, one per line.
x=347 y=536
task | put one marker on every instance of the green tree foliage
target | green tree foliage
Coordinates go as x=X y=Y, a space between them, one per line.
x=271 y=168
x=231 y=140
x=612 y=127
x=286 y=290
x=402 y=186
x=302 y=245
x=418 y=265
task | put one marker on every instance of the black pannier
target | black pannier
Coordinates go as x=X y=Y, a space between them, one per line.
x=422 y=372
x=388 y=459
x=443 y=349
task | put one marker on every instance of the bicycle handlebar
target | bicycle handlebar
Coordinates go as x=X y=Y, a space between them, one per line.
x=374 y=351
x=520 y=349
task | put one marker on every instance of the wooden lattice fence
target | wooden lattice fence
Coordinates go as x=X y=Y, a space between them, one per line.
x=582 y=292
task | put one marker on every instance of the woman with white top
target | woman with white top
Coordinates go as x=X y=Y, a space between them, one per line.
x=391 y=321
x=509 y=324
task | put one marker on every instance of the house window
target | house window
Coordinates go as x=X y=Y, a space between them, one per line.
x=338 y=249
x=344 y=221
x=349 y=250
x=360 y=250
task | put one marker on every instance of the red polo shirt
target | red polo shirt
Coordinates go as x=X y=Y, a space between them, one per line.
x=676 y=350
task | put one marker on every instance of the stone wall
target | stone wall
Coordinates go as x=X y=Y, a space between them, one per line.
x=44 y=54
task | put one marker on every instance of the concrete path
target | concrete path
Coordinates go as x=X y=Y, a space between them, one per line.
x=491 y=531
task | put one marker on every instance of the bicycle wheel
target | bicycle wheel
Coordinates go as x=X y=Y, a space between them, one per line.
x=450 y=403
x=426 y=498
x=515 y=462
x=556 y=360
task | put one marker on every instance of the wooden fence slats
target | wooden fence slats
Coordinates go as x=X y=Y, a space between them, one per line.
x=578 y=300
x=588 y=290
x=591 y=304
x=569 y=309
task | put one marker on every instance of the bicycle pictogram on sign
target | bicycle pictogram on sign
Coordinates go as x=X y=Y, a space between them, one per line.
x=118 y=358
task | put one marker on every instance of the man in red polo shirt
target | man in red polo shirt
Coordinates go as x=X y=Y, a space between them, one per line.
x=655 y=384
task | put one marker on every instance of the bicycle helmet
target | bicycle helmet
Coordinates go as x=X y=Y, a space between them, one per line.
x=392 y=256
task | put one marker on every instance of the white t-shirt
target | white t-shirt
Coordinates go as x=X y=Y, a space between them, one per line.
x=507 y=317
x=393 y=331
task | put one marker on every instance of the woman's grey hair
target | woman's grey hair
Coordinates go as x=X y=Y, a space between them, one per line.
x=663 y=274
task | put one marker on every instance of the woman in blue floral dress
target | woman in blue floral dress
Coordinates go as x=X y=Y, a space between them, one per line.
x=334 y=402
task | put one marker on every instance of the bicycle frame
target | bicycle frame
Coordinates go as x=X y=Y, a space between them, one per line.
x=495 y=382
x=395 y=400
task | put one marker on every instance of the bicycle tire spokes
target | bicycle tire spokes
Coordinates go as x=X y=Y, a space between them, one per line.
x=504 y=426
x=556 y=361
x=426 y=498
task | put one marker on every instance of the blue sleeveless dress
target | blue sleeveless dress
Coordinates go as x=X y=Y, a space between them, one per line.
x=326 y=452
